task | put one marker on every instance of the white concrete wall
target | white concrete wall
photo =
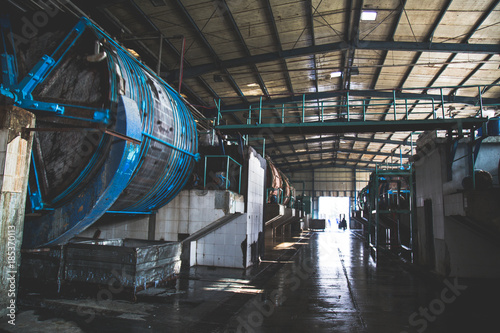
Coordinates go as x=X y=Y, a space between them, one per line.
x=222 y=247
x=187 y=213
x=120 y=227
x=255 y=202
x=193 y=210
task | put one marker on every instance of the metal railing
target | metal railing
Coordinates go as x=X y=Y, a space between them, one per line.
x=398 y=103
x=229 y=160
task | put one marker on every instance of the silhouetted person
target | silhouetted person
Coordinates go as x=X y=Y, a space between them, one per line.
x=343 y=224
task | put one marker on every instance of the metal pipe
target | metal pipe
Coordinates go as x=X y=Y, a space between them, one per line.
x=158 y=66
x=181 y=66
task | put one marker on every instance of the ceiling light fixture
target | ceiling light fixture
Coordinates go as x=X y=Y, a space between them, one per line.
x=335 y=74
x=368 y=15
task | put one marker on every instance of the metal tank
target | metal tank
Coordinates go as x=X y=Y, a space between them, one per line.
x=111 y=136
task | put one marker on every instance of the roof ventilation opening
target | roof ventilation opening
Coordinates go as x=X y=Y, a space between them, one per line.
x=335 y=74
x=368 y=15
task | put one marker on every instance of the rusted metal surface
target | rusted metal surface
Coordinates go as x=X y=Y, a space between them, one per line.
x=130 y=263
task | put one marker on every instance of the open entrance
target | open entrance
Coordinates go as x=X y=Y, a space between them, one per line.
x=333 y=210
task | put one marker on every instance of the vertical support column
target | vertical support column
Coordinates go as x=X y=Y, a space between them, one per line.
x=412 y=210
x=152 y=227
x=15 y=153
x=303 y=107
x=348 y=110
x=354 y=193
x=158 y=65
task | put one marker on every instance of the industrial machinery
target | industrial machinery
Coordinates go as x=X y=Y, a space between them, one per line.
x=387 y=202
x=279 y=189
x=111 y=136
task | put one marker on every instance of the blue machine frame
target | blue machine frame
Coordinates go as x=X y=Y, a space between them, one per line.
x=131 y=116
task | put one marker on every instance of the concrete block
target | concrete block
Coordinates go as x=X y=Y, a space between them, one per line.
x=199 y=258
x=229 y=239
x=219 y=238
x=195 y=214
x=229 y=249
x=183 y=228
x=183 y=214
x=194 y=227
x=236 y=262
x=192 y=253
x=171 y=237
x=209 y=249
x=209 y=260
x=184 y=202
x=219 y=249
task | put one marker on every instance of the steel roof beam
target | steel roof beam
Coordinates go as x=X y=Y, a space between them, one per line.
x=347 y=160
x=107 y=14
x=464 y=40
x=341 y=46
x=327 y=151
x=367 y=93
x=428 y=38
x=334 y=138
x=325 y=166
x=234 y=25
x=278 y=40
x=212 y=52
x=175 y=51
x=394 y=28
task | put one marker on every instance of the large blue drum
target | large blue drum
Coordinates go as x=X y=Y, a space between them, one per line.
x=111 y=137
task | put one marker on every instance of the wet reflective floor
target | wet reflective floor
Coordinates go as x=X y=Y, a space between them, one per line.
x=318 y=282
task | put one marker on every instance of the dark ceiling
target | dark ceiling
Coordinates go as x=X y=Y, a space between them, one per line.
x=316 y=61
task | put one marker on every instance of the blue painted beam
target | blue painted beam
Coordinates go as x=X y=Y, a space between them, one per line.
x=354 y=126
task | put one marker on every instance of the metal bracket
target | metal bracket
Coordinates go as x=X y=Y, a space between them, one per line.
x=37 y=75
x=40 y=106
x=9 y=76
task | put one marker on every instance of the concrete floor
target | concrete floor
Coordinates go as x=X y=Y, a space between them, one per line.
x=319 y=282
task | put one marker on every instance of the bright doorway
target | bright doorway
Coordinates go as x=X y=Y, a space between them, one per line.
x=333 y=209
